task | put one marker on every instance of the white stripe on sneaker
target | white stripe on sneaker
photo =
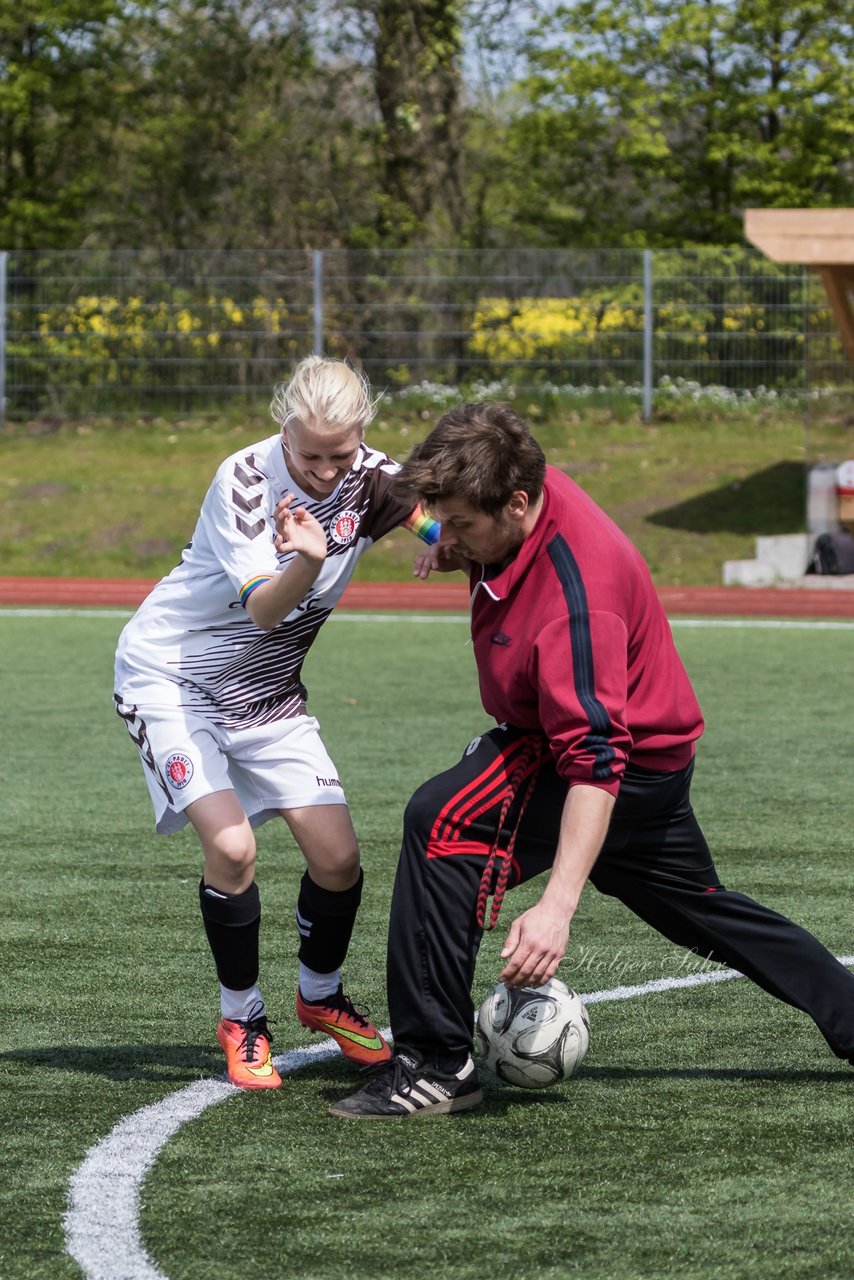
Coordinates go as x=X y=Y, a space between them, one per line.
x=438 y=1095
x=421 y=1099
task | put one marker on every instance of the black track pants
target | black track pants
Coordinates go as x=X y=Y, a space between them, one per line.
x=655 y=860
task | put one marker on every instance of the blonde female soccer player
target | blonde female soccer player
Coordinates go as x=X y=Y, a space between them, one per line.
x=208 y=684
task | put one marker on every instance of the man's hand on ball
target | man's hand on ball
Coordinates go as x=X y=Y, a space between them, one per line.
x=535 y=945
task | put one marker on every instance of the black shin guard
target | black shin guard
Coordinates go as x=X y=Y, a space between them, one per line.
x=232 y=923
x=325 y=922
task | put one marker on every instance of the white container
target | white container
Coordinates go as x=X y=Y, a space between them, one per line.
x=823 y=499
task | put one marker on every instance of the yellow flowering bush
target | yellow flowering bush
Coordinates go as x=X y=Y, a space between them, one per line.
x=536 y=328
x=715 y=320
x=603 y=326
x=101 y=338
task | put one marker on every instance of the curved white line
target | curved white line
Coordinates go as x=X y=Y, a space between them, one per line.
x=102 y=1221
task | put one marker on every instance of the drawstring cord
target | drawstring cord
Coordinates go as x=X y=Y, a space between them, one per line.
x=530 y=755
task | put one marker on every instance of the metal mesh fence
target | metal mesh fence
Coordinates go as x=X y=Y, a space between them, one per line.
x=93 y=331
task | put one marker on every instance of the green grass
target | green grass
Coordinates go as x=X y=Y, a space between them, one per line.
x=707 y=1136
x=693 y=487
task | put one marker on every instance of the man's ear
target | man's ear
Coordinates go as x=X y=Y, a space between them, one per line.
x=518 y=504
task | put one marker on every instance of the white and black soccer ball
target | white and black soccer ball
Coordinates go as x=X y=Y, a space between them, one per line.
x=533 y=1036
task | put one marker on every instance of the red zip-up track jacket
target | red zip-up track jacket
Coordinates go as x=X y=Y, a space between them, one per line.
x=571 y=640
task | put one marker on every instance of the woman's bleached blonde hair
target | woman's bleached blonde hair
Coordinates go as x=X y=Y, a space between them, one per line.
x=326 y=393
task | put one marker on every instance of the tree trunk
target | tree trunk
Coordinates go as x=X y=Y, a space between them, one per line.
x=417 y=50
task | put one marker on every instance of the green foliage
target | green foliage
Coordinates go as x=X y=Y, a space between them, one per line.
x=59 y=70
x=359 y=123
x=663 y=120
x=175 y=325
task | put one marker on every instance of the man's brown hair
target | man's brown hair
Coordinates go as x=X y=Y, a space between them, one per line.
x=480 y=453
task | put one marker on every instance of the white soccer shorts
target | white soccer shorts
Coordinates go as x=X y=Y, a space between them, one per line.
x=283 y=765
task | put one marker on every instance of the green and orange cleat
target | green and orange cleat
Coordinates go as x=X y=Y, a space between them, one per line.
x=246 y=1046
x=336 y=1016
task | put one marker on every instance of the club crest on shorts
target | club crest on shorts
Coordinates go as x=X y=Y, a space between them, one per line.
x=344 y=528
x=179 y=770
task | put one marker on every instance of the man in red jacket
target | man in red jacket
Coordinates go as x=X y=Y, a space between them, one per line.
x=588 y=772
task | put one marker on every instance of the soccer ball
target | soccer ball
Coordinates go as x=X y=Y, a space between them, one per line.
x=533 y=1036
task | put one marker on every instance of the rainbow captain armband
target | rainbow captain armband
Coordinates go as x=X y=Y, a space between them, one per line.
x=423 y=526
x=250 y=585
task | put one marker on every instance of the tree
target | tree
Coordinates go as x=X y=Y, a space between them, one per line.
x=658 y=121
x=416 y=48
x=57 y=63
x=239 y=133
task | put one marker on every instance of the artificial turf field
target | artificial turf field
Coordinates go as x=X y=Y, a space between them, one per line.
x=708 y=1133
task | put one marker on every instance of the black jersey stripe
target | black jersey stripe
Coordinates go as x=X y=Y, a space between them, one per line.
x=261 y=681
x=598 y=740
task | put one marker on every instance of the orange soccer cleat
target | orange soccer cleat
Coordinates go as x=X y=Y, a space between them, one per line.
x=247 y=1050
x=336 y=1016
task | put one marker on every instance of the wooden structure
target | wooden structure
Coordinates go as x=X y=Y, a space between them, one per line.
x=819 y=238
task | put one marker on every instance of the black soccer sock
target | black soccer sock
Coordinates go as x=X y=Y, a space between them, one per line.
x=325 y=922
x=232 y=923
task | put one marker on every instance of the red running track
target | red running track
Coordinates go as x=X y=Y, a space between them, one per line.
x=452 y=596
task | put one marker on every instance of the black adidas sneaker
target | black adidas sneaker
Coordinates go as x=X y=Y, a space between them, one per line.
x=406 y=1086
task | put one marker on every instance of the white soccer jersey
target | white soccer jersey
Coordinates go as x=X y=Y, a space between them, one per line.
x=191 y=642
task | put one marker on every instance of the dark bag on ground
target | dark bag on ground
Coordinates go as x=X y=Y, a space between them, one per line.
x=833 y=553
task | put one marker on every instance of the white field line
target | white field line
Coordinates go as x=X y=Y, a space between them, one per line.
x=22 y=611
x=102 y=1222
x=344 y=616
x=661 y=984
x=737 y=624
x=765 y=624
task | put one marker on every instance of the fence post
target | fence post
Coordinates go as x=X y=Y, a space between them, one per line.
x=317 y=295
x=647 y=334
x=3 y=259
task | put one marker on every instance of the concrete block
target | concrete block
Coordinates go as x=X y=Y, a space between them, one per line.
x=786 y=554
x=748 y=573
